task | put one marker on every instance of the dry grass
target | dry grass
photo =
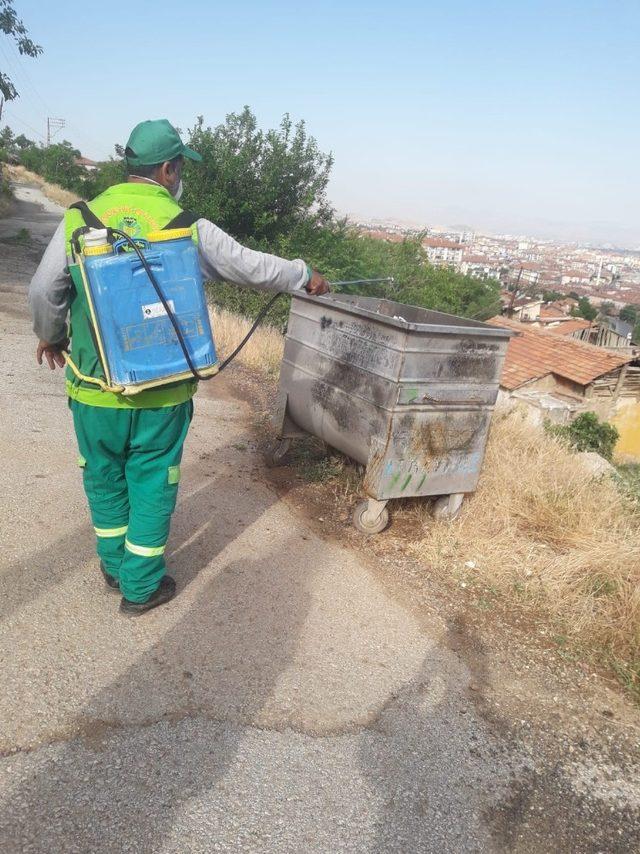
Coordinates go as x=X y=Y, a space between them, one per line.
x=264 y=349
x=52 y=191
x=540 y=528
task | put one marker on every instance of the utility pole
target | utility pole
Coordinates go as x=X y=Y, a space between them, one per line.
x=514 y=293
x=53 y=126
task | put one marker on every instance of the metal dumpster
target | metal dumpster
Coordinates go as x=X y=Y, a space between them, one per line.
x=406 y=391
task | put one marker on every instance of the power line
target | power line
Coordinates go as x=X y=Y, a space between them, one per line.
x=87 y=137
x=13 y=67
x=26 y=78
x=22 y=122
x=18 y=68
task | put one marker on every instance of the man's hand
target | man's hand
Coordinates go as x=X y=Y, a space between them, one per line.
x=317 y=285
x=52 y=353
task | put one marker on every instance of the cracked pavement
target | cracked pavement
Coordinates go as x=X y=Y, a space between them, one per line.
x=283 y=702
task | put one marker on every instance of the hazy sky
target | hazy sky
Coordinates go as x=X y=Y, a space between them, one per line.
x=520 y=116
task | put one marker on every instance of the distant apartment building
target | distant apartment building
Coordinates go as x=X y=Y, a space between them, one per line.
x=479 y=267
x=575 y=277
x=442 y=252
x=523 y=308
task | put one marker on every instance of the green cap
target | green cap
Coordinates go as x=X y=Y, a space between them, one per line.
x=156 y=141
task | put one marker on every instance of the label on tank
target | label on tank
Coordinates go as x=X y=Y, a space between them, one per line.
x=156 y=309
x=158 y=333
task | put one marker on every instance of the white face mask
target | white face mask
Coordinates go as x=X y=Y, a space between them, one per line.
x=177 y=193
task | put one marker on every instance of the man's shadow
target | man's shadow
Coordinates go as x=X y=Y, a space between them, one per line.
x=205 y=521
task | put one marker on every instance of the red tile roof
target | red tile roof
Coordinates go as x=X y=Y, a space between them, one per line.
x=569 y=326
x=478 y=259
x=534 y=353
x=551 y=311
x=441 y=242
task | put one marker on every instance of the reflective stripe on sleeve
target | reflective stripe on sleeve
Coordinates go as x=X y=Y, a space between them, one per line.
x=111 y=532
x=144 y=551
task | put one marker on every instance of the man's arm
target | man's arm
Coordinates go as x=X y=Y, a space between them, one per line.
x=49 y=300
x=223 y=258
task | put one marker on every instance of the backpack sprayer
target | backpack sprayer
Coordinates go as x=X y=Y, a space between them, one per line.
x=148 y=308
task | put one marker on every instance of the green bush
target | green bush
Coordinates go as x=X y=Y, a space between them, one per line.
x=587 y=433
x=585 y=309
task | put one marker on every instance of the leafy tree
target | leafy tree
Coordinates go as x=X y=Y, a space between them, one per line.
x=585 y=309
x=551 y=296
x=6 y=137
x=13 y=27
x=57 y=163
x=6 y=143
x=629 y=313
x=11 y=146
x=21 y=142
x=257 y=185
x=635 y=335
x=607 y=308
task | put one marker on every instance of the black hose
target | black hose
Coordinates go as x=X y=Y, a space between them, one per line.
x=261 y=315
x=174 y=322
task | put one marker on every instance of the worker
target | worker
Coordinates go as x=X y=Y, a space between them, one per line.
x=130 y=447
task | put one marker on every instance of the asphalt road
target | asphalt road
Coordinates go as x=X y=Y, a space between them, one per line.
x=283 y=702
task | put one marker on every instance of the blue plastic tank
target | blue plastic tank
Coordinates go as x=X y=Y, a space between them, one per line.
x=139 y=343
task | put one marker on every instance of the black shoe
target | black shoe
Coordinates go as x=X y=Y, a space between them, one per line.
x=112 y=581
x=164 y=593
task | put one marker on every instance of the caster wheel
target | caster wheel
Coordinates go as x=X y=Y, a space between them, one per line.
x=366 y=523
x=277 y=453
x=447 y=507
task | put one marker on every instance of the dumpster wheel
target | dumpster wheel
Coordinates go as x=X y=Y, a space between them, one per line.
x=370 y=519
x=446 y=508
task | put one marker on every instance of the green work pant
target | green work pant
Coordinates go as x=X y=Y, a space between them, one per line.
x=131 y=469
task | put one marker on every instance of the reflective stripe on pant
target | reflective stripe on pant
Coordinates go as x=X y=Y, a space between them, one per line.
x=131 y=474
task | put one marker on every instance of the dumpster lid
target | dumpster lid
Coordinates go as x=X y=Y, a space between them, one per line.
x=406 y=316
